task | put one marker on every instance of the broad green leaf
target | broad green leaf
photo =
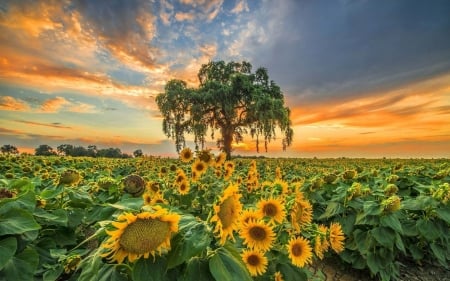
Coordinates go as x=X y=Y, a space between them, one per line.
x=372 y=208
x=8 y=247
x=444 y=213
x=373 y=262
x=191 y=239
x=25 y=201
x=22 y=266
x=52 y=274
x=439 y=253
x=149 y=270
x=428 y=229
x=225 y=267
x=90 y=268
x=333 y=208
x=384 y=236
x=79 y=198
x=52 y=217
x=198 y=270
x=392 y=221
x=292 y=272
x=399 y=243
x=17 y=221
x=51 y=192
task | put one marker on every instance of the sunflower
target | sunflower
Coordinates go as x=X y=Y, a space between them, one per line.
x=278 y=276
x=281 y=186
x=321 y=244
x=183 y=187
x=158 y=199
x=206 y=157
x=220 y=159
x=255 y=262
x=229 y=169
x=147 y=198
x=272 y=208
x=199 y=167
x=257 y=235
x=249 y=215
x=300 y=251
x=186 y=155
x=227 y=212
x=301 y=212
x=336 y=237
x=140 y=235
x=180 y=177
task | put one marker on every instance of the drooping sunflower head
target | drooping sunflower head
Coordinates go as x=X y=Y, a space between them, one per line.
x=226 y=213
x=257 y=235
x=272 y=208
x=255 y=261
x=199 y=166
x=391 y=204
x=141 y=235
x=301 y=213
x=321 y=243
x=300 y=251
x=186 y=155
x=206 y=157
x=69 y=177
x=134 y=185
x=336 y=237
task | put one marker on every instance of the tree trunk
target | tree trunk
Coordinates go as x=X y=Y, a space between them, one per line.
x=227 y=135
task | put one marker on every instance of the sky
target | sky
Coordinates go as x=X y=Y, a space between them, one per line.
x=366 y=78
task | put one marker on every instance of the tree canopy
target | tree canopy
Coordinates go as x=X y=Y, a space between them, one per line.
x=230 y=99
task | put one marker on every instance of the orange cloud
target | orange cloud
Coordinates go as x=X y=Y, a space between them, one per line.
x=180 y=16
x=13 y=104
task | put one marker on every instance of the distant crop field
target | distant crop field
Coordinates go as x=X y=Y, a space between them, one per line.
x=202 y=217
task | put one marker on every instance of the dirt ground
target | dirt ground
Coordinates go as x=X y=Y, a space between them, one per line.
x=333 y=270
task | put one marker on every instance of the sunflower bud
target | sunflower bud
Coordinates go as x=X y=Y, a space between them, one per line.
x=391 y=204
x=134 y=185
x=69 y=177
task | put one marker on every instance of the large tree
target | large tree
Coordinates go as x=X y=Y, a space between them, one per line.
x=9 y=149
x=230 y=99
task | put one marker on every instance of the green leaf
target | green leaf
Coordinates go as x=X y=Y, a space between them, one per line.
x=90 y=268
x=385 y=236
x=373 y=262
x=333 y=208
x=225 y=267
x=51 y=192
x=53 y=217
x=372 y=208
x=363 y=240
x=17 y=221
x=191 y=239
x=292 y=272
x=52 y=274
x=399 y=243
x=198 y=270
x=149 y=270
x=428 y=229
x=25 y=201
x=79 y=198
x=392 y=221
x=416 y=252
x=439 y=253
x=8 y=247
x=22 y=266
x=444 y=213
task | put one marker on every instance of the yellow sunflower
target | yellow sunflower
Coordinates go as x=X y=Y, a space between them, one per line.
x=249 y=215
x=220 y=159
x=301 y=212
x=321 y=244
x=183 y=187
x=336 y=237
x=226 y=213
x=278 y=276
x=257 y=235
x=180 y=177
x=158 y=199
x=272 y=208
x=206 y=157
x=141 y=235
x=199 y=167
x=300 y=251
x=186 y=155
x=255 y=262
x=147 y=198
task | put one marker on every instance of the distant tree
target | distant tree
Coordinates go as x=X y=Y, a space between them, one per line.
x=92 y=150
x=230 y=99
x=138 y=153
x=9 y=149
x=64 y=149
x=44 y=150
x=110 y=153
x=79 y=151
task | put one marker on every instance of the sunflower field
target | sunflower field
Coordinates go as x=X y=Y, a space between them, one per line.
x=202 y=217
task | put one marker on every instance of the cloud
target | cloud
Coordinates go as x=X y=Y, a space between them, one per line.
x=181 y=16
x=52 y=125
x=53 y=105
x=240 y=7
x=13 y=104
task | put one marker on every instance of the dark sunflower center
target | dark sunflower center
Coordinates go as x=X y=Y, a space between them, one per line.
x=183 y=187
x=270 y=210
x=226 y=213
x=296 y=250
x=258 y=233
x=253 y=260
x=144 y=235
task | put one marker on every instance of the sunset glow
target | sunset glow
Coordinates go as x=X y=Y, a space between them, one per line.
x=362 y=78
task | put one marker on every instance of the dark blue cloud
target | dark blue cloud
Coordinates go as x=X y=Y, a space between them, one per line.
x=336 y=47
